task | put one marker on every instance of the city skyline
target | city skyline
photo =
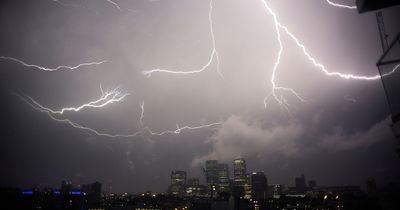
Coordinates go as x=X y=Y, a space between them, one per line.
x=244 y=191
x=216 y=179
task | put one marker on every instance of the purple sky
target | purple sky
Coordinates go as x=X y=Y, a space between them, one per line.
x=341 y=135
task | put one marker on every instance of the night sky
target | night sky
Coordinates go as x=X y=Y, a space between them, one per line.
x=341 y=135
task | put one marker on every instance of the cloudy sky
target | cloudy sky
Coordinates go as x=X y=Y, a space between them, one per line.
x=339 y=135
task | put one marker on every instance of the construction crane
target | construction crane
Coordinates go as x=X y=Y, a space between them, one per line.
x=389 y=60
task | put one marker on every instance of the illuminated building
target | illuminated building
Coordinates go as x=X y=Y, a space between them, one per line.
x=178 y=183
x=247 y=190
x=211 y=172
x=193 y=187
x=240 y=179
x=223 y=178
x=239 y=172
x=274 y=190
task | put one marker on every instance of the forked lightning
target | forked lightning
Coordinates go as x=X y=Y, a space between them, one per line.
x=214 y=54
x=63 y=67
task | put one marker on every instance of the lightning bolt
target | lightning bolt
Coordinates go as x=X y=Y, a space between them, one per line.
x=180 y=129
x=141 y=113
x=60 y=3
x=65 y=120
x=115 y=4
x=106 y=98
x=277 y=91
x=52 y=114
x=391 y=72
x=214 y=54
x=115 y=95
x=53 y=69
x=109 y=1
x=341 y=5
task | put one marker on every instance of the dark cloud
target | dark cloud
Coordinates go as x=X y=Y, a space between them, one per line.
x=338 y=140
x=249 y=137
x=241 y=137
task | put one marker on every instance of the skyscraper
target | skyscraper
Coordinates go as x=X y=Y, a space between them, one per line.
x=223 y=178
x=301 y=184
x=193 y=187
x=259 y=186
x=247 y=187
x=93 y=193
x=211 y=171
x=239 y=177
x=274 y=190
x=239 y=171
x=178 y=183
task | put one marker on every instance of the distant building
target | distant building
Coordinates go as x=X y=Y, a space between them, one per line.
x=66 y=187
x=274 y=190
x=178 y=183
x=259 y=186
x=240 y=178
x=372 y=190
x=93 y=192
x=312 y=184
x=70 y=197
x=239 y=172
x=96 y=189
x=193 y=187
x=301 y=184
x=223 y=178
x=217 y=176
x=247 y=187
x=211 y=171
x=341 y=190
x=193 y=182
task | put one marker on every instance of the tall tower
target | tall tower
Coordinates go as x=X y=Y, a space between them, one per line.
x=301 y=184
x=259 y=187
x=212 y=172
x=239 y=171
x=239 y=177
x=178 y=183
x=223 y=178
